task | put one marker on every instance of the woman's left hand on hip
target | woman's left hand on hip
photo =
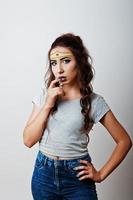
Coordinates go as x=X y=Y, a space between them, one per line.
x=88 y=171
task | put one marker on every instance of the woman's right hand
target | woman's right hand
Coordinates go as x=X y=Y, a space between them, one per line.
x=53 y=92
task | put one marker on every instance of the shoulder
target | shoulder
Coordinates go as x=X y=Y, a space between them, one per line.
x=96 y=97
x=99 y=106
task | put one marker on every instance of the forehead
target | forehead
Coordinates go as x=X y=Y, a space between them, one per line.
x=60 y=52
x=60 y=49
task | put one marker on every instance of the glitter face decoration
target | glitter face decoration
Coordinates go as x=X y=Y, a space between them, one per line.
x=60 y=55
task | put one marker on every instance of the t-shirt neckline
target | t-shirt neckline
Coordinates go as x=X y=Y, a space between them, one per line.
x=70 y=100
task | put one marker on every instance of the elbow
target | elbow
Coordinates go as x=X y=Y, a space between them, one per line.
x=128 y=143
x=27 y=142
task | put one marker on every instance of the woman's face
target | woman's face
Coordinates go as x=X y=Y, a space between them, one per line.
x=63 y=63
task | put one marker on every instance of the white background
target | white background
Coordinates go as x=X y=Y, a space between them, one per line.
x=27 y=29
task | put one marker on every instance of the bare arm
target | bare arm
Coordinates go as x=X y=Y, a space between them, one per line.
x=122 y=140
x=37 y=121
x=35 y=125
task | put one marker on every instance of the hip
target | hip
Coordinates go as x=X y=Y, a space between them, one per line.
x=59 y=177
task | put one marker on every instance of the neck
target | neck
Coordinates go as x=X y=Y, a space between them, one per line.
x=71 y=91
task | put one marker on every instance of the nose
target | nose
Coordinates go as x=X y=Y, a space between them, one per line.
x=60 y=68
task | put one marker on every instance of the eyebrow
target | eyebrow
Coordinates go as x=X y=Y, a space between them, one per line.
x=62 y=58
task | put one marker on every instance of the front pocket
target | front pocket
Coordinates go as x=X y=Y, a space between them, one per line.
x=73 y=164
x=39 y=162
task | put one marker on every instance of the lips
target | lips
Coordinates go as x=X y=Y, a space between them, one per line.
x=62 y=78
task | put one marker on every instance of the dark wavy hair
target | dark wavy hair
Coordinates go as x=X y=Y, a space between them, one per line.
x=85 y=74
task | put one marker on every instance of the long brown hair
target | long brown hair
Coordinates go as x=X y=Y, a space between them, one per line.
x=85 y=74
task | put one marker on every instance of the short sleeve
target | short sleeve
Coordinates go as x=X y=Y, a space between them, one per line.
x=99 y=107
x=39 y=98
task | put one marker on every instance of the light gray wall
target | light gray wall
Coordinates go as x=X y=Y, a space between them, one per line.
x=27 y=29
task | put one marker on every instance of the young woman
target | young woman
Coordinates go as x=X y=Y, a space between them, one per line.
x=63 y=115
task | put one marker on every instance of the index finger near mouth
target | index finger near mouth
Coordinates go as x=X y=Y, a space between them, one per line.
x=52 y=84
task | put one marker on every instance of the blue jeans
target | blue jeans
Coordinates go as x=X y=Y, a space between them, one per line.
x=56 y=180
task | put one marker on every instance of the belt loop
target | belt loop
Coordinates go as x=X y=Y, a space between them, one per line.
x=55 y=163
x=45 y=161
x=64 y=163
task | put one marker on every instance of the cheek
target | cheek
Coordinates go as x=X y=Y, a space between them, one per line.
x=72 y=68
x=53 y=70
x=74 y=71
x=73 y=74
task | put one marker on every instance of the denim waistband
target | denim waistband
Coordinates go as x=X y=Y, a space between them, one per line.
x=42 y=157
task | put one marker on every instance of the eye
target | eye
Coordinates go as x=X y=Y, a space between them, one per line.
x=67 y=61
x=53 y=63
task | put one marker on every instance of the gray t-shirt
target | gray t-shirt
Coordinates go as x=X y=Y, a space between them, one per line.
x=62 y=137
